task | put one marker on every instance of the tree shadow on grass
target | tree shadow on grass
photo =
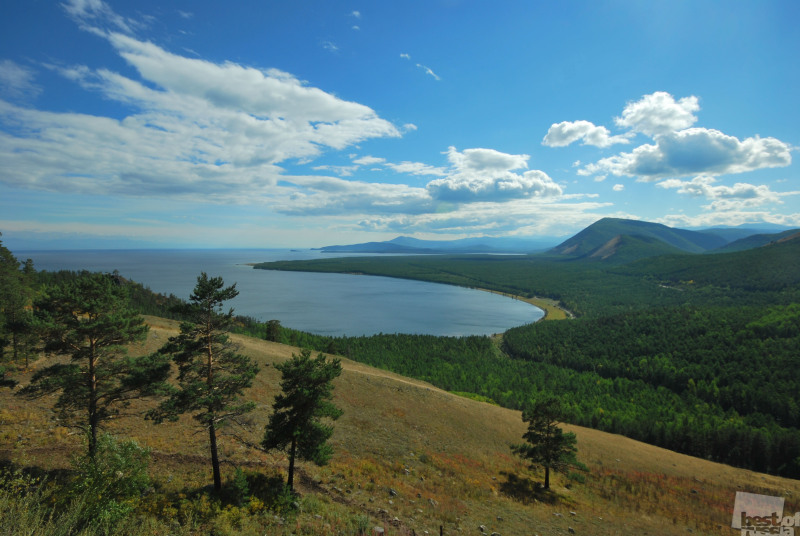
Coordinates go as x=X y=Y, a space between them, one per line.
x=526 y=490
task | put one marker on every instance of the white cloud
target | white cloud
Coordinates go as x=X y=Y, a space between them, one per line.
x=369 y=160
x=405 y=56
x=695 y=151
x=17 y=82
x=428 y=71
x=737 y=197
x=618 y=187
x=567 y=132
x=91 y=13
x=417 y=168
x=196 y=128
x=485 y=160
x=489 y=175
x=342 y=171
x=304 y=195
x=659 y=113
x=530 y=216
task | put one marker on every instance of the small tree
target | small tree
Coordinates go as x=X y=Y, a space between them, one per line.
x=109 y=485
x=211 y=375
x=88 y=318
x=295 y=425
x=546 y=444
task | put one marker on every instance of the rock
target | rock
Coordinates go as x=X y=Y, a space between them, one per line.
x=377 y=531
x=570 y=530
x=573 y=513
x=482 y=528
x=392 y=492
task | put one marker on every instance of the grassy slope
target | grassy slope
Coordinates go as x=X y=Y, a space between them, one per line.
x=447 y=458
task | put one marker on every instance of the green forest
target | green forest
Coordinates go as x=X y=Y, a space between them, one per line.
x=696 y=353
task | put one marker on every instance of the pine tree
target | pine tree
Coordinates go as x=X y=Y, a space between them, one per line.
x=295 y=425
x=211 y=374
x=546 y=444
x=89 y=319
x=16 y=322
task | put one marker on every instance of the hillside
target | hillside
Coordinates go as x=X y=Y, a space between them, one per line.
x=446 y=458
x=759 y=240
x=770 y=267
x=598 y=235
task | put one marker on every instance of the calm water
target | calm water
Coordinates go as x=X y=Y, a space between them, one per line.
x=327 y=304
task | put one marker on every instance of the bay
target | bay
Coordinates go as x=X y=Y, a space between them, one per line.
x=325 y=304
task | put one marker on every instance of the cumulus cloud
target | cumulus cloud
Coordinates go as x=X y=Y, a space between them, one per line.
x=737 y=197
x=695 y=151
x=659 y=113
x=195 y=128
x=567 y=132
x=489 y=175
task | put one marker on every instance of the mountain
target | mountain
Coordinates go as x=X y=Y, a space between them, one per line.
x=600 y=236
x=768 y=268
x=405 y=244
x=758 y=240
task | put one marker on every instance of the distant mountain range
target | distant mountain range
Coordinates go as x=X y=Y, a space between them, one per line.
x=609 y=239
x=404 y=244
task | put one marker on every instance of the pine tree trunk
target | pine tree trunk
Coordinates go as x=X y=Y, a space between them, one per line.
x=546 y=477
x=292 y=451
x=92 y=403
x=212 y=437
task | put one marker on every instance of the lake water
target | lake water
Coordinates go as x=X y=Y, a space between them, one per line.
x=326 y=304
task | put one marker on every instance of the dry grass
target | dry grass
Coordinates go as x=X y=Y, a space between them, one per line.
x=411 y=457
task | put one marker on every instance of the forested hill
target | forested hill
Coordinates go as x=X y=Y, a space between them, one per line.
x=769 y=268
x=598 y=235
x=758 y=240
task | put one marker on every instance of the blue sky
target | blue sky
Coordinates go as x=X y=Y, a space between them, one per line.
x=310 y=123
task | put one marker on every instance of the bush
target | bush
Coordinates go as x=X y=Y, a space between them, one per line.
x=108 y=486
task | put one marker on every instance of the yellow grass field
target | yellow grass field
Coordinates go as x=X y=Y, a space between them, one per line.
x=413 y=458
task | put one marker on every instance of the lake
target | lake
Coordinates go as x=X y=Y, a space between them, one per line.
x=326 y=304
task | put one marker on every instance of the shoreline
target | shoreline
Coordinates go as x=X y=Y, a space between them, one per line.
x=551 y=310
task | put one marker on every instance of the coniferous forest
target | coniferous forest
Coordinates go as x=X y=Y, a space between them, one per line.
x=696 y=353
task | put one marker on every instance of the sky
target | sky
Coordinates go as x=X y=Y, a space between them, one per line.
x=261 y=123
